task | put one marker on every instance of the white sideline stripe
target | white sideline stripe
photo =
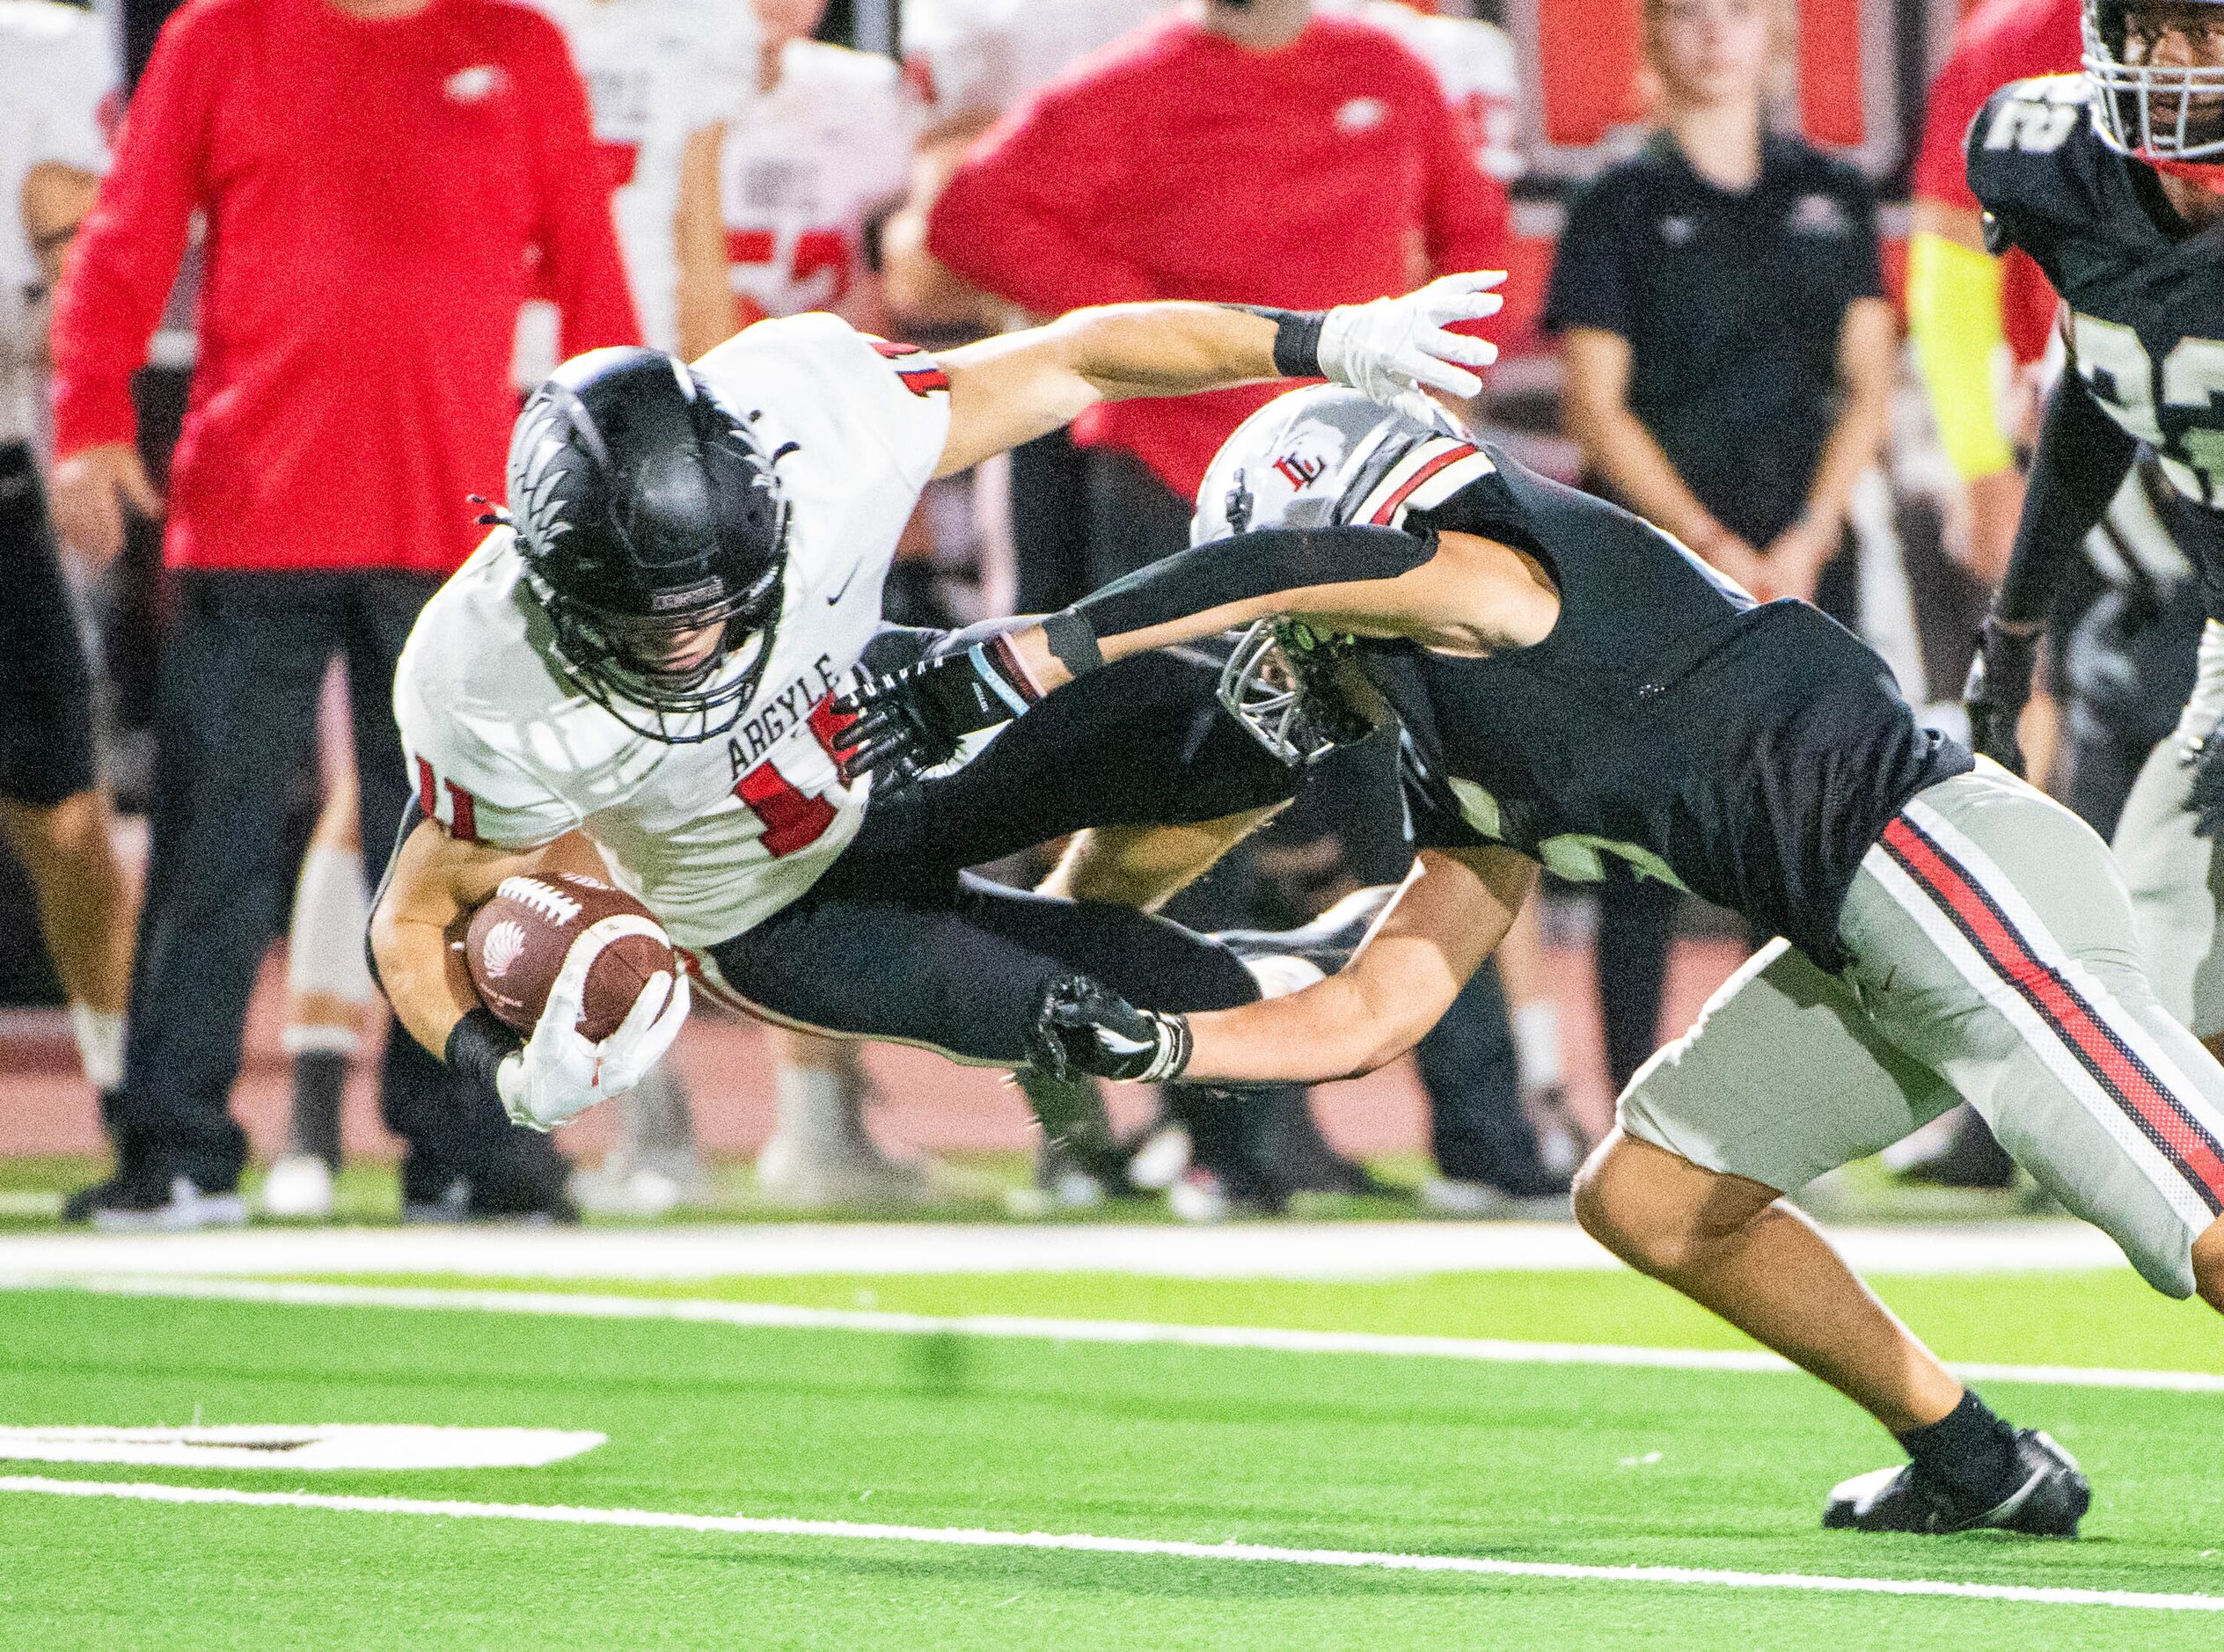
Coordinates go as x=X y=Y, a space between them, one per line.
x=320 y=1447
x=973 y=1538
x=1276 y=1250
x=781 y=1316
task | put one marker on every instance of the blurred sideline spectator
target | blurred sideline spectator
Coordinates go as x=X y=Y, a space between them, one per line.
x=378 y=176
x=1258 y=154
x=57 y=79
x=1740 y=427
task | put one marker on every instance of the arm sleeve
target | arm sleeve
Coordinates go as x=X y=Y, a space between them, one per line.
x=1248 y=565
x=1013 y=218
x=1587 y=289
x=581 y=269
x=125 y=258
x=2083 y=457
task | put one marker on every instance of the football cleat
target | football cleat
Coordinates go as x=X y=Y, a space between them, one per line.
x=2050 y=1502
x=299 y=1187
x=127 y=1204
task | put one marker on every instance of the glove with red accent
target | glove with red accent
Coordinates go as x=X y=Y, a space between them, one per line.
x=1084 y=1026
x=912 y=720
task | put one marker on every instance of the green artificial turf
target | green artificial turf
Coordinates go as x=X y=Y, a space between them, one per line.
x=1567 y=1464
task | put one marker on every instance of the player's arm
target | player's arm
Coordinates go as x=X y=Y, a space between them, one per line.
x=1010 y=390
x=1453 y=910
x=1455 y=592
x=706 y=311
x=2082 y=459
x=432 y=884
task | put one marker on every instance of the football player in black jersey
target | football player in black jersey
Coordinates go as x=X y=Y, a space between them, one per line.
x=2113 y=181
x=1572 y=684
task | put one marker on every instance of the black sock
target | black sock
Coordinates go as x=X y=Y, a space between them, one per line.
x=1971 y=1449
x=318 y=1075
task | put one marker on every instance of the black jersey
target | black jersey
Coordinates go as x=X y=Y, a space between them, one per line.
x=2145 y=296
x=1749 y=754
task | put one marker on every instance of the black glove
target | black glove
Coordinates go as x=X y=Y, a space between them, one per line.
x=2207 y=797
x=912 y=720
x=1084 y=1026
x=1999 y=686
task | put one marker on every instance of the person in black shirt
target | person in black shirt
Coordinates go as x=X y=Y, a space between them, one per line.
x=2126 y=217
x=1729 y=358
x=1572 y=686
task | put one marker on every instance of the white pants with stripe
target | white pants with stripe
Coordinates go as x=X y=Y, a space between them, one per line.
x=1993 y=959
x=2176 y=877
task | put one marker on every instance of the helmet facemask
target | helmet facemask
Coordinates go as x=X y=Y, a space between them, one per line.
x=647 y=512
x=1298 y=692
x=2157 y=113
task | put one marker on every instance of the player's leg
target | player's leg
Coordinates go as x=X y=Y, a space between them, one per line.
x=236 y=706
x=822 y=1153
x=1780 y=1079
x=54 y=812
x=330 y=997
x=2174 y=876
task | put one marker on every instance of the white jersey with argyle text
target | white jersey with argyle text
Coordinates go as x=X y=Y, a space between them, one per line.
x=656 y=70
x=976 y=57
x=801 y=172
x=57 y=80
x=506 y=749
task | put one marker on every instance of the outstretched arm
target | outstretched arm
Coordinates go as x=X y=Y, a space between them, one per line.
x=1010 y=390
x=1454 y=909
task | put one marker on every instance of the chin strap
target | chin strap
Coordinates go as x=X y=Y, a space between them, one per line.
x=2208 y=174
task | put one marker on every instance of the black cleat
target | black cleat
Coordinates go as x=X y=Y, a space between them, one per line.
x=2049 y=1503
x=146 y=1204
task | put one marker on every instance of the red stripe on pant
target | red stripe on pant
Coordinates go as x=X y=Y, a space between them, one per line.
x=2132 y=1086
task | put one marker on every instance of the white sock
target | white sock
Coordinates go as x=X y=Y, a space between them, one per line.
x=1536 y=1042
x=99 y=1036
x=325 y=944
x=814 y=1105
x=1278 y=975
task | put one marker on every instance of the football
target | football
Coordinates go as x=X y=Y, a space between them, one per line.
x=517 y=942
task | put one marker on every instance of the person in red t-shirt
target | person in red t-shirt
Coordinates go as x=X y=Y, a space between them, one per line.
x=384 y=182
x=1252 y=153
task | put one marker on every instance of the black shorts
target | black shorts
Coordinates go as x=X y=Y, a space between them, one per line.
x=46 y=685
x=898 y=941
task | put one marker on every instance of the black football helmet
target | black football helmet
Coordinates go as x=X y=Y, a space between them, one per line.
x=646 y=508
x=2155 y=112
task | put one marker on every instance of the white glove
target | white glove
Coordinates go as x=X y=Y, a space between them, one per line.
x=1391 y=349
x=560 y=1073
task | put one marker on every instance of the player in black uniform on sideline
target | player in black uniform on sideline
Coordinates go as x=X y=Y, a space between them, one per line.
x=1572 y=683
x=2113 y=181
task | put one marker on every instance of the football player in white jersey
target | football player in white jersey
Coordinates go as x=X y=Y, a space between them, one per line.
x=825 y=145
x=661 y=76
x=57 y=73
x=648 y=653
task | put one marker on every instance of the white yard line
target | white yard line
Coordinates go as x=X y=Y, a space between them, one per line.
x=1272 y=1250
x=778 y=1316
x=970 y=1538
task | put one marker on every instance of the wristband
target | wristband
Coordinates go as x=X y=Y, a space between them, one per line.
x=1073 y=640
x=477 y=1045
x=1297 y=339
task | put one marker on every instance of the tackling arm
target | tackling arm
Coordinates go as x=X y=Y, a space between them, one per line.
x=1453 y=910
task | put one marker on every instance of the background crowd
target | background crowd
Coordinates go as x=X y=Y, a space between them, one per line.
x=280 y=268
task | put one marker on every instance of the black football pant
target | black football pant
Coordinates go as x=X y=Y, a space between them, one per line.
x=898 y=941
x=236 y=718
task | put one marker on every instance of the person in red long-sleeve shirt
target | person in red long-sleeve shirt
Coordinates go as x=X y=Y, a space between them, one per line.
x=383 y=183
x=1247 y=153
x=1253 y=153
